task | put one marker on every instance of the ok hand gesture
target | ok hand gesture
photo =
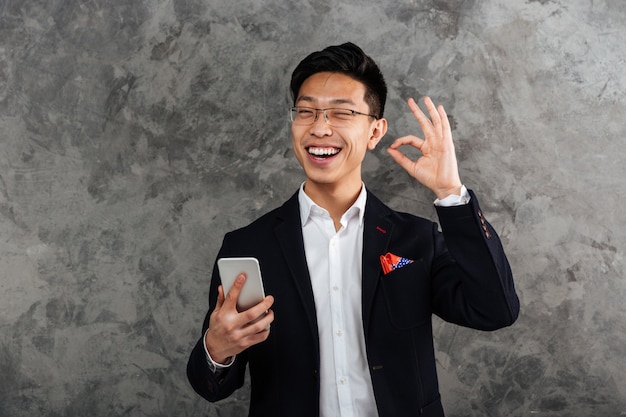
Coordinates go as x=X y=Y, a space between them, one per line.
x=437 y=168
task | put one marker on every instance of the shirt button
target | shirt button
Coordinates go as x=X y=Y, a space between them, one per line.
x=342 y=381
x=339 y=333
x=335 y=288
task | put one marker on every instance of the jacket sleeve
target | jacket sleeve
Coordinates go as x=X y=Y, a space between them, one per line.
x=472 y=281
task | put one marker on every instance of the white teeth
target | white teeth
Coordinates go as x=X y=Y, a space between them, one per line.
x=323 y=151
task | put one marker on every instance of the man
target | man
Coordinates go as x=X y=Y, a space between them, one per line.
x=353 y=284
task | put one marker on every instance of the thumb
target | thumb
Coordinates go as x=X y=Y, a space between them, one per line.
x=231 y=297
x=402 y=160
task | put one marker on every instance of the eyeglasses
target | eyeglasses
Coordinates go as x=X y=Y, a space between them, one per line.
x=334 y=117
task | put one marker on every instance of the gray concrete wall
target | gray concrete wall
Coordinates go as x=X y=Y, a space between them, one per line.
x=134 y=134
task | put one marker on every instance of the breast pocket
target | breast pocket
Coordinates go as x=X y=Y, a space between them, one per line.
x=407 y=295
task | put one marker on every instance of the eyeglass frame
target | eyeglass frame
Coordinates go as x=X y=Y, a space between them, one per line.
x=323 y=111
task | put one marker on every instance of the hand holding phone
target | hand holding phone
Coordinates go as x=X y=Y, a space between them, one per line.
x=230 y=332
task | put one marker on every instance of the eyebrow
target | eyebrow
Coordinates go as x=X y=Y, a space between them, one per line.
x=333 y=101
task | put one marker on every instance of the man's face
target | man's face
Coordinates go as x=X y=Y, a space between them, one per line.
x=328 y=154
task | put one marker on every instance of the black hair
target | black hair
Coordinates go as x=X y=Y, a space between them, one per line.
x=346 y=59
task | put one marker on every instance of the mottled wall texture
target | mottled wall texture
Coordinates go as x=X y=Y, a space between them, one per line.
x=135 y=133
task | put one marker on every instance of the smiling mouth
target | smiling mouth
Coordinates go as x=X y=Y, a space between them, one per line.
x=323 y=152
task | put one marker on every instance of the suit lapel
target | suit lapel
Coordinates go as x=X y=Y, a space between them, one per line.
x=289 y=234
x=377 y=231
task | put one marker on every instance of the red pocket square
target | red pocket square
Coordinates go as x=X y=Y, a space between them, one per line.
x=391 y=262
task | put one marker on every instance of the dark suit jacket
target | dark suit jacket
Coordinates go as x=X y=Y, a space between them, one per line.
x=463 y=276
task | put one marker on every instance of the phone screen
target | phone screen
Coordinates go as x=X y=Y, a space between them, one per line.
x=252 y=292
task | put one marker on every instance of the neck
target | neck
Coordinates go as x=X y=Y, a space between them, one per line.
x=336 y=199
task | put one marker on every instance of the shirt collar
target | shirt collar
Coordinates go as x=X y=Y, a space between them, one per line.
x=307 y=206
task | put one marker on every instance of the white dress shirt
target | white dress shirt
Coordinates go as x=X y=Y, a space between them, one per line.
x=334 y=261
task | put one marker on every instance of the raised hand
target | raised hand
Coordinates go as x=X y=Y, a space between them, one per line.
x=437 y=168
x=231 y=332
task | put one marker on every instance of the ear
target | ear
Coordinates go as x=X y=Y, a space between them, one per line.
x=378 y=131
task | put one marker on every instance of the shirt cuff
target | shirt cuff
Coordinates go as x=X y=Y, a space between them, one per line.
x=214 y=366
x=454 y=200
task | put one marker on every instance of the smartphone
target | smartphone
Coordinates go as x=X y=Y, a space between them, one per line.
x=252 y=292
